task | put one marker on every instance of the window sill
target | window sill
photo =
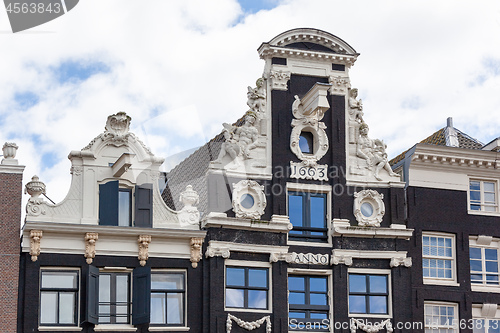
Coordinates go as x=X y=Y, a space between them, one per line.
x=168 y=329
x=310 y=244
x=247 y=310
x=482 y=212
x=369 y=315
x=59 y=328
x=487 y=289
x=114 y=327
x=451 y=283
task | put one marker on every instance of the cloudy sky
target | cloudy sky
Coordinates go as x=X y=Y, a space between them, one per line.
x=181 y=68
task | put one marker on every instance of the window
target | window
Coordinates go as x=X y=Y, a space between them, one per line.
x=306 y=142
x=59 y=297
x=114 y=298
x=485 y=318
x=440 y=317
x=484 y=265
x=438 y=258
x=308 y=302
x=482 y=196
x=247 y=287
x=368 y=294
x=308 y=215
x=168 y=295
x=117 y=208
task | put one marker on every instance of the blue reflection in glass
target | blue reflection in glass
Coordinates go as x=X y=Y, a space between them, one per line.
x=257 y=278
x=317 y=211
x=235 y=276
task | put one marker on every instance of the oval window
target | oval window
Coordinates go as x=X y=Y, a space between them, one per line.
x=247 y=201
x=366 y=209
x=306 y=141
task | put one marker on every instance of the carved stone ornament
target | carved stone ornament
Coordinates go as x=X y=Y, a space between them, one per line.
x=279 y=80
x=257 y=97
x=308 y=112
x=196 y=243
x=346 y=260
x=189 y=214
x=249 y=200
x=76 y=170
x=35 y=205
x=371 y=327
x=340 y=85
x=90 y=240
x=143 y=241
x=396 y=262
x=369 y=208
x=248 y=325
x=213 y=251
x=118 y=125
x=9 y=150
x=300 y=258
x=35 y=236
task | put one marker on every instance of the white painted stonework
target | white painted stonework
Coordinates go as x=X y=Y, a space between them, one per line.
x=252 y=191
x=369 y=208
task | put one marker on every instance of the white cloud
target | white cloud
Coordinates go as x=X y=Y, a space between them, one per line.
x=420 y=62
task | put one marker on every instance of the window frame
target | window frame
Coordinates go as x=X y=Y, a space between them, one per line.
x=478 y=314
x=483 y=243
x=313 y=273
x=482 y=203
x=453 y=259
x=76 y=305
x=453 y=326
x=314 y=189
x=388 y=295
x=249 y=265
x=115 y=272
x=184 y=298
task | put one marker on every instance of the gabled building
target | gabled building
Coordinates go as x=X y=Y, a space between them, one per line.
x=452 y=184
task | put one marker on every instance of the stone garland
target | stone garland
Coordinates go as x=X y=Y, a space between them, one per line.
x=248 y=325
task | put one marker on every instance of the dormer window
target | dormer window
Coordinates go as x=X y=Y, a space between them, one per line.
x=306 y=142
x=125 y=206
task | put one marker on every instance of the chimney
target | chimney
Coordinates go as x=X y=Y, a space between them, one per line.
x=450 y=134
x=11 y=176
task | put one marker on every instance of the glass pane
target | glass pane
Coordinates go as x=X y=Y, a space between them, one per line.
x=306 y=142
x=476 y=278
x=48 y=308
x=489 y=187
x=318 y=315
x=357 y=304
x=425 y=240
x=175 y=308
x=295 y=314
x=295 y=283
x=491 y=279
x=475 y=207
x=257 y=299
x=492 y=266
x=378 y=284
x=489 y=197
x=67 y=308
x=296 y=298
x=234 y=298
x=170 y=281
x=475 y=265
x=357 y=283
x=104 y=310
x=366 y=209
x=235 y=276
x=158 y=310
x=474 y=253
x=59 y=280
x=475 y=196
x=122 y=288
x=104 y=287
x=474 y=185
x=494 y=326
x=295 y=209
x=318 y=284
x=257 y=278
x=247 y=201
x=124 y=208
x=378 y=304
x=479 y=326
x=318 y=211
x=318 y=299
x=490 y=254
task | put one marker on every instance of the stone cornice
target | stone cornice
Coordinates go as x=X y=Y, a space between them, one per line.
x=278 y=223
x=10 y=168
x=268 y=51
x=371 y=232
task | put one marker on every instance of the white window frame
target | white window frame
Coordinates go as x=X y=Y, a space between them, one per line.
x=436 y=280
x=454 y=325
x=315 y=272
x=314 y=188
x=72 y=328
x=485 y=242
x=482 y=211
x=490 y=312
x=164 y=327
x=369 y=271
x=251 y=264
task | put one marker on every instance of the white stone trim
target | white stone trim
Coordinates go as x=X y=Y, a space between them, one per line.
x=301 y=258
x=168 y=329
x=340 y=256
x=375 y=200
x=59 y=329
x=340 y=229
x=248 y=325
x=369 y=271
x=114 y=328
x=278 y=223
x=485 y=311
x=223 y=249
x=256 y=191
x=15 y=169
x=485 y=242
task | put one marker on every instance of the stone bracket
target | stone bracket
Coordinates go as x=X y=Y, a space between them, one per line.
x=90 y=240
x=143 y=241
x=35 y=236
x=196 y=244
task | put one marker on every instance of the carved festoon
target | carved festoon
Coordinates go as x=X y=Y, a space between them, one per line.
x=371 y=327
x=35 y=236
x=143 y=241
x=35 y=205
x=90 y=240
x=196 y=244
x=249 y=200
x=189 y=214
x=248 y=325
